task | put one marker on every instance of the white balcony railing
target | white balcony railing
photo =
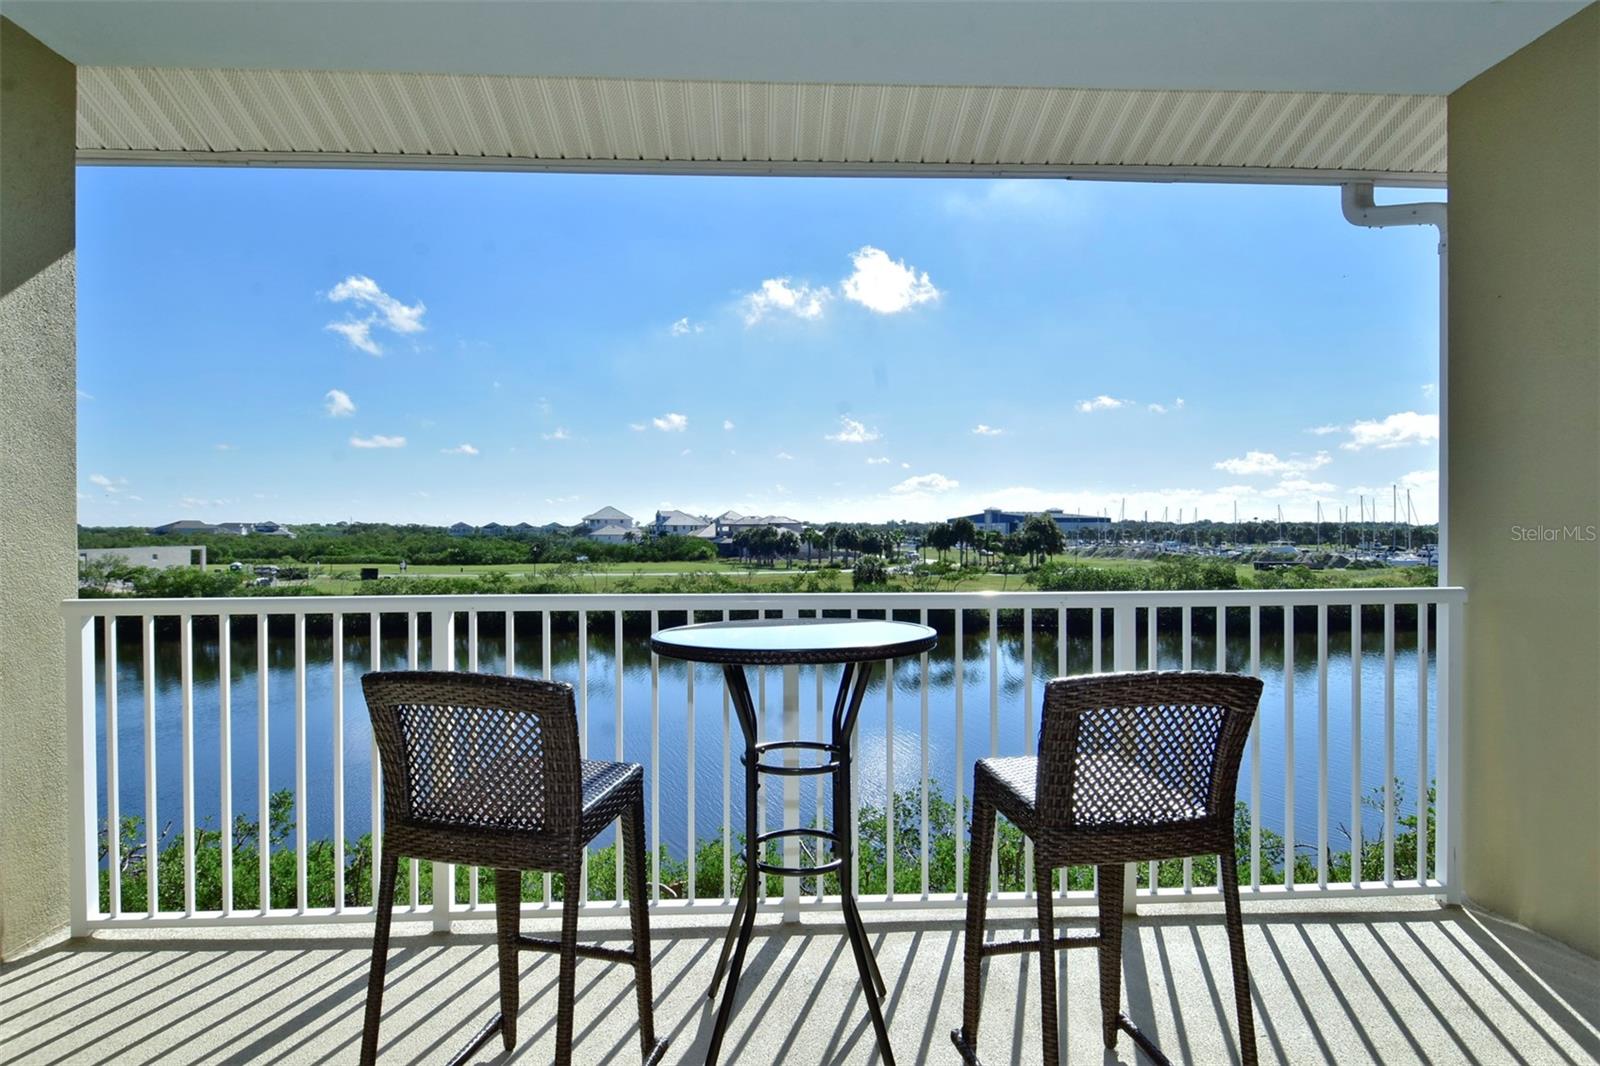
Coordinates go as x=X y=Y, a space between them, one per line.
x=1353 y=755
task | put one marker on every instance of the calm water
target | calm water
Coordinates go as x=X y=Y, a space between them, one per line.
x=708 y=717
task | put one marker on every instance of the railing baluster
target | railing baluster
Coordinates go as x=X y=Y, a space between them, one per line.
x=1322 y=745
x=338 y=761
x=263 y=748
x=1356 y=849
x=1027 y=733
x=994 y=734
x=1094 y=643
x=691 y=836
x=655 y=767
x=547 y=667
x=442 y=651
x=822 y=734
x=1255 y=754
x=616 y=653
x=1422 y=742
x=1388 y=744
x=1288 y=747
x=113 y=783
x=375 y=798
x=923 y=725
x=1061 y=671
x=855 y=798
x=961 y=764
x=888 y=776
x=152 y=823
x=583 y=738
x=727 y=791
x=1152 y=627
x=511 y=644
x=1188 y=662
x=472 y=667
x=300 y=794
x=412 y=655
x=186 y=753
x=1222 y=667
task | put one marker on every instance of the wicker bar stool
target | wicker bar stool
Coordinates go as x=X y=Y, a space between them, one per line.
x=1131 y=767
x=481 y=770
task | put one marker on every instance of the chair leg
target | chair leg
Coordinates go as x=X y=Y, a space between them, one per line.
x=632 y=831
x=1110 y=878
x=508 y=926
x=567 y=979
x=966 y=1038
x=380 y=956
x=1045 y=902
x=1241 y=968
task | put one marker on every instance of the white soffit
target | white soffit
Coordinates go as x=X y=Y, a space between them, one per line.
x=348 y=118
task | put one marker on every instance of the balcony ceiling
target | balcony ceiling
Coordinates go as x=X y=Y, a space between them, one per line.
x=1311 y=88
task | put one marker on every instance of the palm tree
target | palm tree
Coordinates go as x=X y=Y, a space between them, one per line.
x=966 y=536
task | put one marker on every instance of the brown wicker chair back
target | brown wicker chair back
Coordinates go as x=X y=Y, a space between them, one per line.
x=475 y=751
x=1121 y=752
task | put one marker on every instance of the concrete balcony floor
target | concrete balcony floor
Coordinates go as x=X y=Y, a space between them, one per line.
x=1399 y=981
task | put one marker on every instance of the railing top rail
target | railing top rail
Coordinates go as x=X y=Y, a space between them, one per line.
x=647 y=601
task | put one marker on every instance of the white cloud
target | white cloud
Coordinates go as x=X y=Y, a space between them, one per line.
x=84 y=395
x=1421 y=481
x=981 y=430
x=852 y=432
x=727 y=423
x=377 y=440
x=338 y=404
x=781 y=295
x=359 y=333
x=925 y=483
x=882 y=460
x=1323 y=431
x=1101 y=403
x=394 y=315
x=905 y=466
x=638 y=427
x=1429 y=389
x=887 y=286
x=1396 y=431
x=558 y=433
x=109 y=484
x=784 y=456
x=683 y=327
x=385 y=312
x=1161 y=408
x=460 y=449
x=1267 y=463
x=672 y=422
x=224 y=447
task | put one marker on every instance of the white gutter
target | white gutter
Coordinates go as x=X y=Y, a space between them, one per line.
x=1359 y=210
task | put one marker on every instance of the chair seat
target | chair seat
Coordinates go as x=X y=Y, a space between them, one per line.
x=1146 y=814
x=608 y=787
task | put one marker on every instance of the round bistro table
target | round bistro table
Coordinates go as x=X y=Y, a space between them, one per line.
x=858 y=645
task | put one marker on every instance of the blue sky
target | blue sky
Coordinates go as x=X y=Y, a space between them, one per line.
x=309 y=345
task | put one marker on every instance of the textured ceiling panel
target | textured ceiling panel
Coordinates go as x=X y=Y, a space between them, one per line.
x=435 y=119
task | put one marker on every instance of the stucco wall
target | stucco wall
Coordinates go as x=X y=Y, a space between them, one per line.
x=38 y=498
x=1524 y=395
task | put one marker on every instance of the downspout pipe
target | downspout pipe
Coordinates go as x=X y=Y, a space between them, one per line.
x=1359 y=210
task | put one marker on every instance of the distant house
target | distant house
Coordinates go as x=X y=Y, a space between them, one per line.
x=461 y=529
x=608 y=525
x=524 y=529
x=730 y=527
x=273 y=529
x=612 y=534
x=189 y=526
x=681 y=524
x=493 y=529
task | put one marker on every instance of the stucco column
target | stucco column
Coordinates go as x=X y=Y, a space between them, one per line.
x=1524 y=476
x=38 y=479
